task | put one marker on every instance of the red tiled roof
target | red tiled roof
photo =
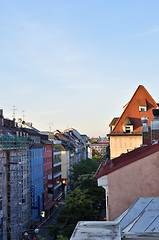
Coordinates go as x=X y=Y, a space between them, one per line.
x=94 y=139
x=141 y=97
x=107 y=142
x=61 y=137
x=127 y=158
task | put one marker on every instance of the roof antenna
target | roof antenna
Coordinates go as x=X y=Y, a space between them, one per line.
x=14 y=109
x=23 y=115
x=50 y=130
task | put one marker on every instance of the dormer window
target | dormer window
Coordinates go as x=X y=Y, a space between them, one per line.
x=127 y=130
x=127 y=126
x=142 y=109
x=113 y=123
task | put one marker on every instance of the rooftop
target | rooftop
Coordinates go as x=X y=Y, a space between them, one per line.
x=142 y=217
x=127 y=158
x=132 y=115
x=96 y=231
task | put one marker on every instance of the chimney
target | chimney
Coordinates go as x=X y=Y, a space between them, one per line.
x=146 y=131
x=1 y=118
x=1 y=113
x=145 y=124
x=151 y=133
x=19 y=122
x=155 y=125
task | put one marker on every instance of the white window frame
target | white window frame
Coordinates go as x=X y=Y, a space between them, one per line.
x=142 y=109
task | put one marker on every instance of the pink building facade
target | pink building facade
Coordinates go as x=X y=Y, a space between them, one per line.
x=130 y=177
x=127 y=184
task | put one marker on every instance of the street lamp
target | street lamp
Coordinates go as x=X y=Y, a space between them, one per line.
x=36 y=230
x=26 y=236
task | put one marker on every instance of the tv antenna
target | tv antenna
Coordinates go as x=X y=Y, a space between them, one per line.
x=51 y=123
x=14 y=109
x=23 y=115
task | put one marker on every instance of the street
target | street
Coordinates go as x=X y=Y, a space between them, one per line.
x=43 y=229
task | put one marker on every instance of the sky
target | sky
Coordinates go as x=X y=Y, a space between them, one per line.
x=76 y=63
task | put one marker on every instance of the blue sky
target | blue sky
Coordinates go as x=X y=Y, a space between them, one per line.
x=76 y=63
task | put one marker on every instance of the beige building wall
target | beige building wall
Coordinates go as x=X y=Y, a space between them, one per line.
x=127 y=184
x=65 y=163
x=123 y=144
x=90 y=152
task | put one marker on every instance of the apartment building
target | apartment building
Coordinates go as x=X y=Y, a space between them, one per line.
x=15 y=180
x=134 y=174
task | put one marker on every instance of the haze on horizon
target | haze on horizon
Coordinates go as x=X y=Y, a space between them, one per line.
x=76 y=63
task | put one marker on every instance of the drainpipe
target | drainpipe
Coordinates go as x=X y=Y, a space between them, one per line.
x=106 y=205
x=103 y=182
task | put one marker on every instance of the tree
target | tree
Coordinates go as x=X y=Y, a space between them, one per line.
x=108 y=152
x=83 y=203
x=41 y=238
x=83 y=167
x=61 y=237
x=87 y=183
x=78 y=207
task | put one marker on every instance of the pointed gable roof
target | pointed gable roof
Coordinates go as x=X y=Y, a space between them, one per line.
x=140 y=98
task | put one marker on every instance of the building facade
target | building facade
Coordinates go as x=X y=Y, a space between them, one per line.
x=48 y=176
x=57 y=174
x=15 y=180
x=100 y=147
x=126 y=131
x=37 y=182
x=132 y=175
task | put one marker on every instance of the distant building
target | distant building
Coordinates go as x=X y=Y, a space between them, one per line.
x=57 y=171
x=79 y=142
x=94 y=140
x=100 y=147
x=126 y=131
x=74 y=147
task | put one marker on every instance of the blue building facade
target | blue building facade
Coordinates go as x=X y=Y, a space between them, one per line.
x=37 y=181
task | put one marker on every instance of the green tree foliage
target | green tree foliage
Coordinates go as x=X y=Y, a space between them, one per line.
x=83 y=167
x=78 y=206
x=82 y=203
x=61 y=237
x=97 y=157
x=41 y=238
x=89 y=184
x=108 y=152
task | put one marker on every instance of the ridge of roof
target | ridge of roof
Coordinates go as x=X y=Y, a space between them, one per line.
x=126 y=107
x=127 y=158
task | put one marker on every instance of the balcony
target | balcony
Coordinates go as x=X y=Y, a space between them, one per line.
x=57 y=174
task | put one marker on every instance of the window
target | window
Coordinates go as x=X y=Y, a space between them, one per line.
x=142 y=109
x=127 y=130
